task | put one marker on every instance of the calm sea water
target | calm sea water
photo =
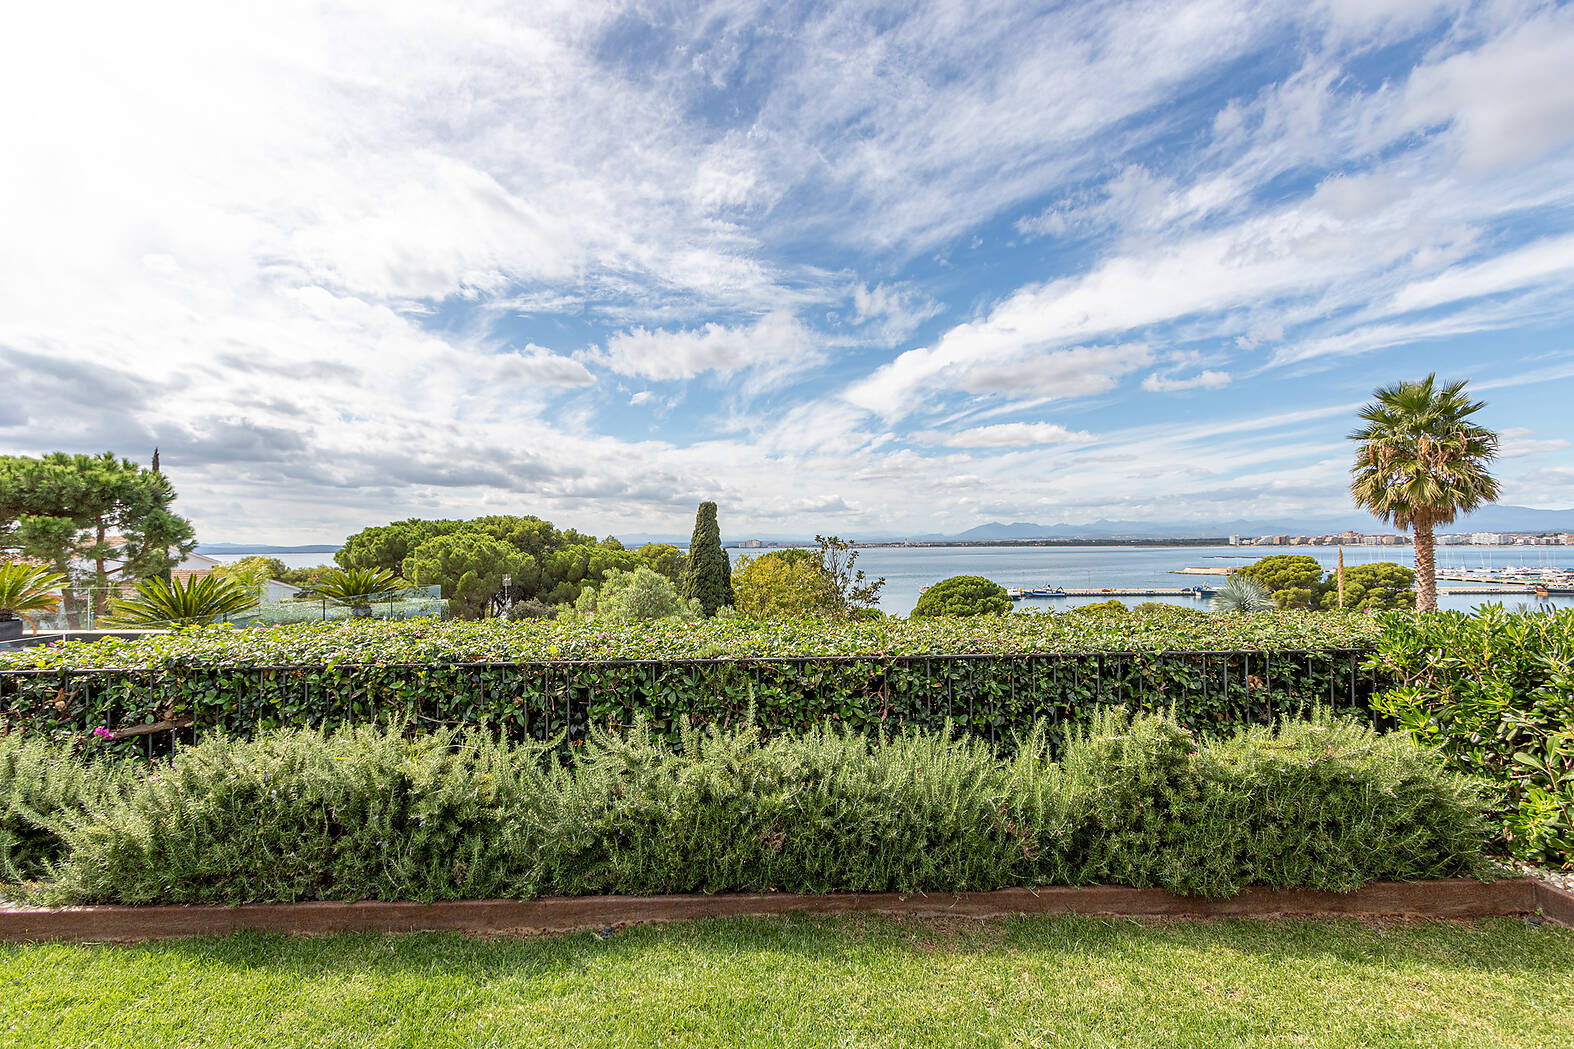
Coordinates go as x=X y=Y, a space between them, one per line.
x=907 y=569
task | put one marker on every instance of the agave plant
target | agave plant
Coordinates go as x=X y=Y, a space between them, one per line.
x=199 y=599
x=28 y=588
x=359 y=587
x=1241 y=594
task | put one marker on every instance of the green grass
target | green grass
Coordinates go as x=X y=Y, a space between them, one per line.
x=816 y=982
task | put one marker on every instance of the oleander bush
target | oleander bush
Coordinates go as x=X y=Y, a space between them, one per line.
x=1494 y=693
x=375 y=814
x=565 y=676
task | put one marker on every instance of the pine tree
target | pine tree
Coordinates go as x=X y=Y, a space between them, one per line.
x=707 y=574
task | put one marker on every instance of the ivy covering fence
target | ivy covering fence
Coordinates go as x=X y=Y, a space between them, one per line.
x=990 y=677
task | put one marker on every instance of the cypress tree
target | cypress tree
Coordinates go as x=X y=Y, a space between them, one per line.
x=707 y=574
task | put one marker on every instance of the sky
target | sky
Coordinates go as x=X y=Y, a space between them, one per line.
x=853 y=267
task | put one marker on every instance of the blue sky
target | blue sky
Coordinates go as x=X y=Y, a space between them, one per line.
x=840 y=267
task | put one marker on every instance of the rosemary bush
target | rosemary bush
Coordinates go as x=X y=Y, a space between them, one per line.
x=373 y=814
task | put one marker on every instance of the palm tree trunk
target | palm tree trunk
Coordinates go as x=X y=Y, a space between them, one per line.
x=1426 y=570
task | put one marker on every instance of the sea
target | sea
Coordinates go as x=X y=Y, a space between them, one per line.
x=908 y=569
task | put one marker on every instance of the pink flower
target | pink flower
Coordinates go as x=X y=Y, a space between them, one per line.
x=103 y=733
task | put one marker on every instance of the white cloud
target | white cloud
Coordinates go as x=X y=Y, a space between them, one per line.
x=775 y=341
x=1007 y=435
x=1203 y=380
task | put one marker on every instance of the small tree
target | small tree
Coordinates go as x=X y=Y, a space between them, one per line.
x=964 y=595
x=784 y=582
x=840 y=562
x=1420 y=462
x=107 y=513
x=642 y=594
x=707 y=575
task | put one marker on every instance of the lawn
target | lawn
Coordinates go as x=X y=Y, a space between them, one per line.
x=1039 y=981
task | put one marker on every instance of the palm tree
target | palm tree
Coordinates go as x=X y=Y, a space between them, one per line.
x=1241 y=594
x=28 y=588
x=1421 y=461
x=199 y=599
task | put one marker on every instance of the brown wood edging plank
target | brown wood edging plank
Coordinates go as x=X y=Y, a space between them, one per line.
x=1454 y=898
x=1554 y=903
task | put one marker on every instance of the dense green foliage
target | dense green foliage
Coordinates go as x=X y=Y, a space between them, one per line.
x=1494 y=692
x=642 y=594
x=469 y=568
x=1298 y=581
x=98 y=519
x=376 y=815
x=565 y=674
x=1421 y=460
x=783 y=583
x=1378 y=586
x=815 y=982
x=41 y=784
x=195 y=600
x=964 y=595
x=546 y=564
x=1292 y=579
x=707 y=573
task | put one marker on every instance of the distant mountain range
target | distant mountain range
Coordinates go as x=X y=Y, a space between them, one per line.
x=1492 y=518
x=256 y=548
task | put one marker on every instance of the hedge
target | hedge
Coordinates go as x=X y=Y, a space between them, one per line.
x=370 y=814
x=989 y=678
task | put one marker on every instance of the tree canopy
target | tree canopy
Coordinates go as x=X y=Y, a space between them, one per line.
x=469 y=567
x=964 y=595
x=98 y=519
x=552 y=565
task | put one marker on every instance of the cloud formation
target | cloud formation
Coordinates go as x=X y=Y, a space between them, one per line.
x=837 y=268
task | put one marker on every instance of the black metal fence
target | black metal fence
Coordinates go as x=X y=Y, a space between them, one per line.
x=995 y=697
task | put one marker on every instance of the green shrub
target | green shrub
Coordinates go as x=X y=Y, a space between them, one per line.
x=964 y=595
x=642 y=594
x=374 y=815
x=43 y=785
x=1494 y=691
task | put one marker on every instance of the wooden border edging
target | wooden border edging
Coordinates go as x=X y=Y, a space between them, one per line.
x=1454 y=898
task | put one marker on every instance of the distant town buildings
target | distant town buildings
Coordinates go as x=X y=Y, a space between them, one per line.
x=1444 y=539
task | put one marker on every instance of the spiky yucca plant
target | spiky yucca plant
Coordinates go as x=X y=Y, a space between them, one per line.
x=199 y=599
x=28 y=588
x=1422 y=461
x=1241 y=594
